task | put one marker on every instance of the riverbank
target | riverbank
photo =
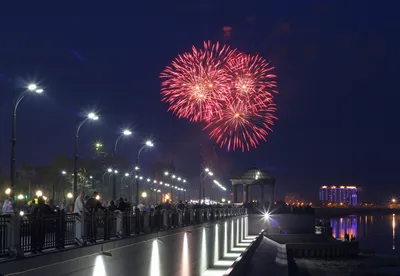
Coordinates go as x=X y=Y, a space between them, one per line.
x=363 y=265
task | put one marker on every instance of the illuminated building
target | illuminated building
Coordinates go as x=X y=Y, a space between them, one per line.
x=339 y=194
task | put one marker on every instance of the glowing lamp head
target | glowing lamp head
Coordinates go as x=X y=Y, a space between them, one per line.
x=39 y=193
x=136 y=168
x=92 y=116
x=267 y=215
x=69 y=195
x=116 y=171
x=144 y=194
x=127 y=132
x=64 y=172
x=21 y=213
x=210 y=173
x=97 y=197
x=39 y=91
x=109 y=170
x=166 y=173
x=8 y=191
x=126 y=174
x=206 y=169
x=32 y=87
x=149 y=143
x=148 y=179
x=173 y=176
x=20 y=197
x=394 y=200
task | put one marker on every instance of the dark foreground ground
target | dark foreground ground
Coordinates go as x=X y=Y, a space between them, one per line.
x=263 y=263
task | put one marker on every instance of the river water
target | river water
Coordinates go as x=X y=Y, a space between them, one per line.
x=376 y=234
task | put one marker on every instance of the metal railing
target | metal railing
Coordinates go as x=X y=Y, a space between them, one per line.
x=40 y=232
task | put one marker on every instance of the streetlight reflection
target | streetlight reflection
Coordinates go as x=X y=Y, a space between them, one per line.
x=203 y=260
x=155 y=260
x=185 y=257
x=99 y=269
x=216 y=245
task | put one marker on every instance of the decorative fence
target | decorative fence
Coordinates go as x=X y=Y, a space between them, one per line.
x=39 y=232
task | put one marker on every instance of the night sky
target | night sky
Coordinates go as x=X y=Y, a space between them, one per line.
x=337 y=64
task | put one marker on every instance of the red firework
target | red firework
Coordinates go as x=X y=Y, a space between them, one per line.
x=232 y=92
x=196 y=83
x=241 y=127
x=252 y=81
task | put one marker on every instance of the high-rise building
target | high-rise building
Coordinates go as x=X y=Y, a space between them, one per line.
x=339 y=194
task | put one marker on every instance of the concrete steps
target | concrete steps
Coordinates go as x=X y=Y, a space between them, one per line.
x=232 y=255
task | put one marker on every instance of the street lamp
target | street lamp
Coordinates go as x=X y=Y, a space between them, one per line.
x=144 y=194
x=109 y=170
x=394 y=200
x=202 y=179
x=20 y=197
x=39 y=193
x=8 y=191
x=70 y=195
x=32 y=88
x=92 y=117
x=148 y=143
x=63 y=172
x=125 y=133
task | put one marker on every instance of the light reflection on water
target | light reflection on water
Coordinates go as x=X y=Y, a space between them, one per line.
x=375 y=233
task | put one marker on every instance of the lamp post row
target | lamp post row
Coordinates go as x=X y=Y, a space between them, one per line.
x=33 y=88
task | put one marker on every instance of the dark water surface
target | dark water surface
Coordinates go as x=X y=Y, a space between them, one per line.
x=376 y=233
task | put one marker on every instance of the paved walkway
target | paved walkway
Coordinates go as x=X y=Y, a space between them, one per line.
x=263 y=262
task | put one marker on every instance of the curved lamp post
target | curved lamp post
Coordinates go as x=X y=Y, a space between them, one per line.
x=125 y=133
x=147 y=144
x=32 y=88
x=92 y=117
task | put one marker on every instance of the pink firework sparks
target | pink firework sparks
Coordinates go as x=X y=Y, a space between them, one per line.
x=252 y=80
x=240 y=127
x=196 y=83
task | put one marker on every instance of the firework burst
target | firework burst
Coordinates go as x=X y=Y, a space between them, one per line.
x=196 y=83
x=240 y=127
x=252 y=81
x=231 y=91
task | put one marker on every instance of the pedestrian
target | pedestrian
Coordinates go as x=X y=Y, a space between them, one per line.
x=7 y=207
x=79 y=209
x=93 y=205
x=112 y=206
